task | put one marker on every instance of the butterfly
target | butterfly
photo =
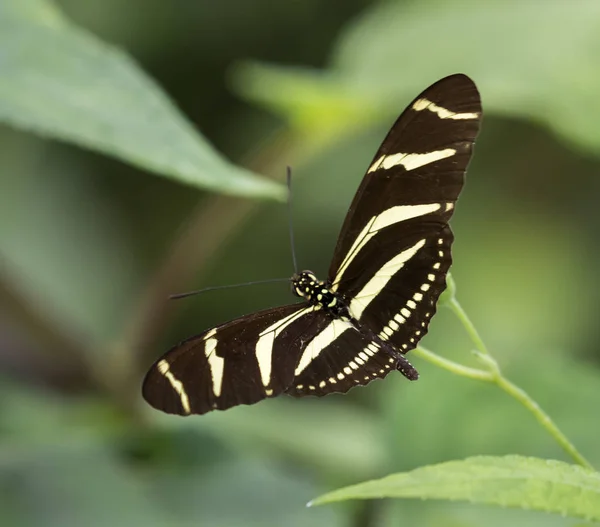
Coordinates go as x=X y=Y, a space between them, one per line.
x=388 y=270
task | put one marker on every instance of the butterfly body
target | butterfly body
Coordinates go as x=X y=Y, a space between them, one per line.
x=387 y=272
x=318 y=293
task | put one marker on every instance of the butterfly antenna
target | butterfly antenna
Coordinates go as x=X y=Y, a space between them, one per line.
x=290 y=222
x=192 y=293
x=213 y=288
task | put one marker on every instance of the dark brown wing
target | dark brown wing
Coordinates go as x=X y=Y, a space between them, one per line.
x=240 y=362
x=393 y=252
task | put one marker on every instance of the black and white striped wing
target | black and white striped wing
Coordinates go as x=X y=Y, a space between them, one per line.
x=338 y=358
x=393 y=251
x=388 y=271
x=296 y=349
x=240 y=362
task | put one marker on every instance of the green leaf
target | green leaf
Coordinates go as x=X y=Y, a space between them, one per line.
x=519 y=77
x=529 y=62
x=61 y=82
x=511 y=481
x=321 y=105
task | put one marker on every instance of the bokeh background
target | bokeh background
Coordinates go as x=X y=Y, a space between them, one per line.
x=92 y=242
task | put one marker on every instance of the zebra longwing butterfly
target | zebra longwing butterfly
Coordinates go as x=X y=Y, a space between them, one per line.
x=388 y=271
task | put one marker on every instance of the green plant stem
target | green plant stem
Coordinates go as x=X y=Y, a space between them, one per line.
x=460 y=313
x=542 y=417
x=454 y=367
x=493 y=374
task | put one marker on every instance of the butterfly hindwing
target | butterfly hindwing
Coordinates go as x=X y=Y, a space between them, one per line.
x=350 y=359
x=400 y=313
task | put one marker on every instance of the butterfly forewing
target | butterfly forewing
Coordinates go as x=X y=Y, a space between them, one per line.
x=420 y=165
x=236 y=363
x=393 y=252
x=387 y=272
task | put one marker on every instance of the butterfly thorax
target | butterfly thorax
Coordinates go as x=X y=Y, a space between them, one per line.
x=306 y=285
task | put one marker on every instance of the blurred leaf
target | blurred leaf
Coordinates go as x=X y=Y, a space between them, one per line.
x=397 y=48
x=511 y=481
x=72 y=487
x=511 y=263
x=533 y=74
x=312 y=102
x=61 y=82
x=37 y=423
x=334 y=438
x=241 y=493
x=62 y=240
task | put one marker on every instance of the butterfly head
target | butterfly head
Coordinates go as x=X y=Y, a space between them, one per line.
x=305 y=284
x=308 y=286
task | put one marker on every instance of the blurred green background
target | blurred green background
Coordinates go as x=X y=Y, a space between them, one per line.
x=91 y=245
